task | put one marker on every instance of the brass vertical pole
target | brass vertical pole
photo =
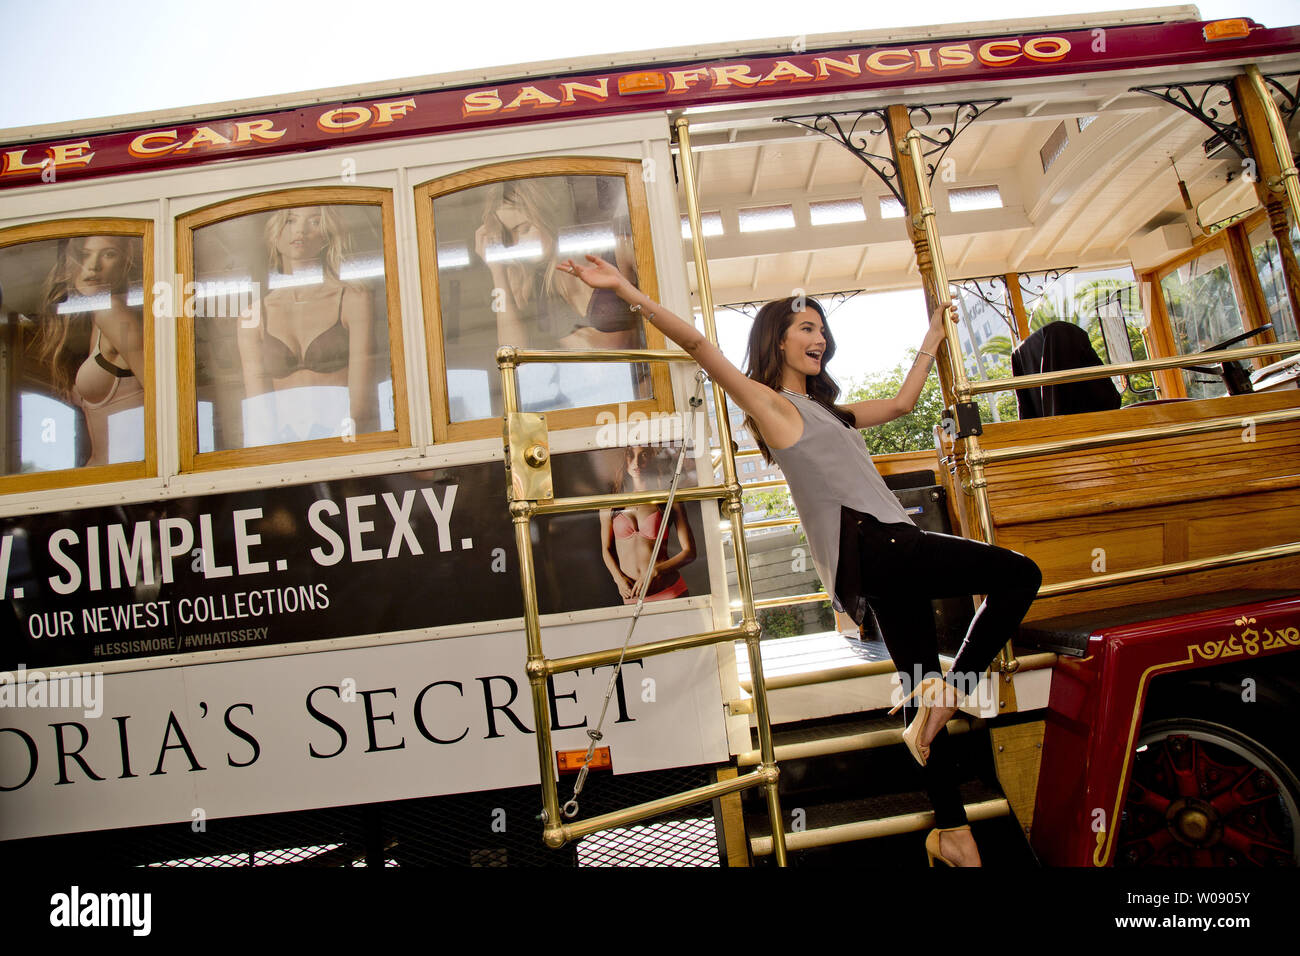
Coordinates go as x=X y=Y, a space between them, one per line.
x=1273 y=187
x=734 y=504
x=1287 y=173
x=905 y=139
x=923 y=220
x=521 y=515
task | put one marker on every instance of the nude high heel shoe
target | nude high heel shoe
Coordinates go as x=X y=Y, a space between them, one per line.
x=932 y=691
x=932 y=844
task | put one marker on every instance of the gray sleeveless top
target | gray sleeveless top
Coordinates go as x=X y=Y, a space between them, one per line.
x=831 y=478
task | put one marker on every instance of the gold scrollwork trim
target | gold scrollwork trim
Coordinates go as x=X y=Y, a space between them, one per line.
x=1245 y=644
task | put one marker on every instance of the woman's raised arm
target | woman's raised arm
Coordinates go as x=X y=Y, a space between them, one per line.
x=759 y=401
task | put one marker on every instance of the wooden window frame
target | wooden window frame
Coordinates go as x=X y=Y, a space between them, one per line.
x=190 y=459
x=445 y=430
x=142 y=229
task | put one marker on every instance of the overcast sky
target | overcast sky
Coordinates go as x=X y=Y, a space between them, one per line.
x=77 y=59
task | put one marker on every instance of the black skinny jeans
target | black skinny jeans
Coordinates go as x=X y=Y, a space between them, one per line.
x=903 y=569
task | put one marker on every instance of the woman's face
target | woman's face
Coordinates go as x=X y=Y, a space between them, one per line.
x=804 y=343
x=641 y=460
x=302 y=238
x=517 y=226
x=101 y=266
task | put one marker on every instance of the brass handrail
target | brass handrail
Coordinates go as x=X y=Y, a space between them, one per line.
x=1128 y=368
x=636 y=652
x=764 y=776
x=523 y=356
x=1166 y=570
x=621 y=499
x=1163 y=430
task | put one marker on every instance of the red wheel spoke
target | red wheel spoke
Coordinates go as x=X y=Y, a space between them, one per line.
x=1149 y=799
x=1187 y=777
x=1244 y=843
x=1242 y=793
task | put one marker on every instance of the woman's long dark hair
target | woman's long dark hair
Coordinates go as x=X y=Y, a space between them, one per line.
x=763 y=360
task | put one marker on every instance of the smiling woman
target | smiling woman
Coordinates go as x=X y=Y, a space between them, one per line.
x=874 y=559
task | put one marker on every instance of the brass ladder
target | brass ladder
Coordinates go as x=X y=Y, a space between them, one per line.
x=527 y=461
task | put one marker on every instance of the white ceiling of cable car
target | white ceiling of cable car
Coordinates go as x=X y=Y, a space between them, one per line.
x=1111 y=182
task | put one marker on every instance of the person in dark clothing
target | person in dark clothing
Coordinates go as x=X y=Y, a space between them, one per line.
x=1053 y=348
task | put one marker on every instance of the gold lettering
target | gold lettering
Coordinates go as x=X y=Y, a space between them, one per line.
x=956 y=55
x=849 y=67
x=16 y=163
x=204 y=137
x=735 y=75
x=257 y=131
x=481 y=101
x=72 y=154
x=683 y=79
x=1060 y=47
x=876 y=64
x=592 y=91
x=785 y=70
x=531 y=96
x=141 y=146
x=385 y=113
x=344 y=117
x=989 y=58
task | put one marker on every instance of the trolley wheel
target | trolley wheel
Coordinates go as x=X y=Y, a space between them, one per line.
x=1206 y=794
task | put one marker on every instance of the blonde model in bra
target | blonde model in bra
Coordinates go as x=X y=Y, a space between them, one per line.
x=627 y=535
x=543 y=308
x=89 y=282
x=312 y=329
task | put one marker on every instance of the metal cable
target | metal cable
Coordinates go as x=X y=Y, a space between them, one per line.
x=570 y=809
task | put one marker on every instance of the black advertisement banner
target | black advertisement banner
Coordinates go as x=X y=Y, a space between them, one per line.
x=330 y=559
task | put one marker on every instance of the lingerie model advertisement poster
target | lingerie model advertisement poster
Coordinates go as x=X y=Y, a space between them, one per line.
x=498 y=248
x=73 y=343
x=291 y=327
x=363 y=556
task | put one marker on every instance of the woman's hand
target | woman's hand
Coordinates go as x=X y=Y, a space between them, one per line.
x=936 y=320
x=599 y=274
x=935 y=334
x=626 y=588
x=490 y=233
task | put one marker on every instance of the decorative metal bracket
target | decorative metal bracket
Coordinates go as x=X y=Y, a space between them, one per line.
x=844 y=128
x=992 y=291
x=1290 y=99
x=829 y=300
x=1036 y=284
x=1206 y=105
x=855 y=129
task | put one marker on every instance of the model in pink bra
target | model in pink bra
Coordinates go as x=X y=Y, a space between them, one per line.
x=626 y=525
x=312 y=334
x=628 y=534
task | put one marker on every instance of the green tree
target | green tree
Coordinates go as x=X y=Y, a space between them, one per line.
x=911 y=432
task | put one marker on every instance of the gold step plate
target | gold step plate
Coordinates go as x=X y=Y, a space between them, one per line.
x=528 y=457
